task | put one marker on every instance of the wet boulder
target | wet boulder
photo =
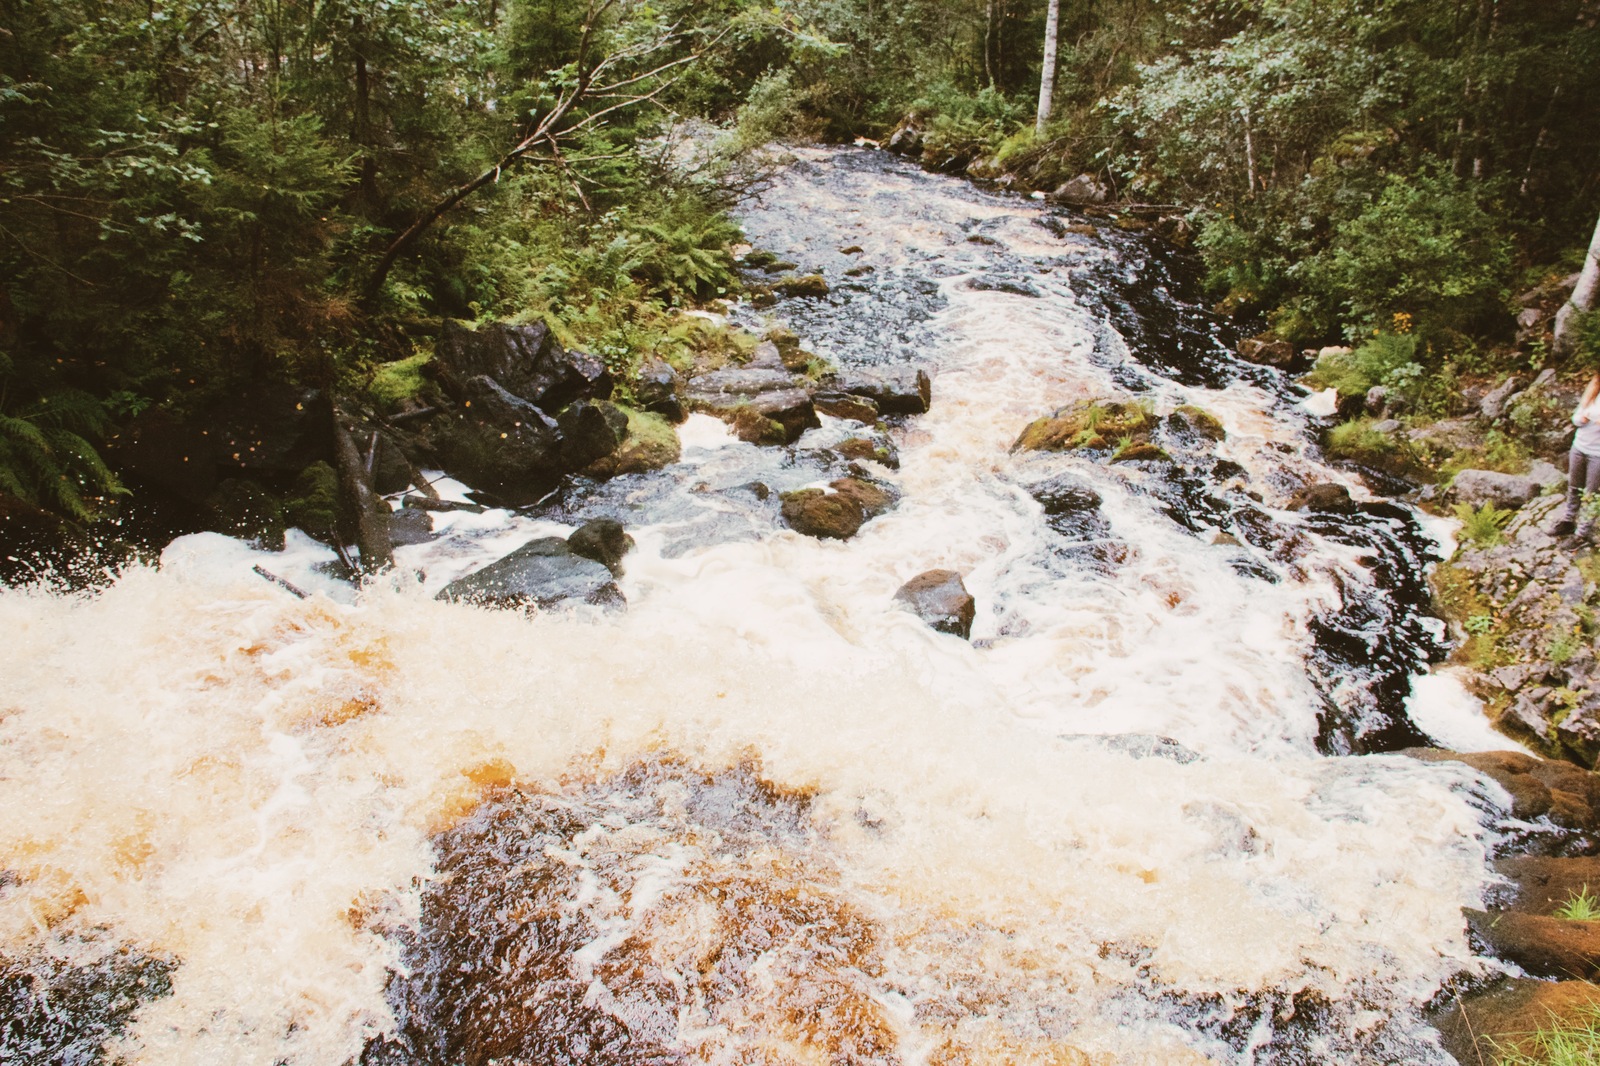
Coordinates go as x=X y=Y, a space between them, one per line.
x=1267 y=350
x=1491 y=1025
x=590 y=431
x=877 y=447
x=651 y=444
x=1323 y=496
x=1094 y=425
x=658 y=390
x=821 y=514
x=1545 y=884
x=813 y=286
x=391 y=471
x=500 y=443
x=757 y=396
x=1477 y=488
x=1189 y=420
x=541 y=573
x=844 y=405
x=874 y=499
x=1543 y=946
x=527 y=361
x=906 y=139
x=940 y=598
x=897 y=390
x=603 y=540
x=411 y=525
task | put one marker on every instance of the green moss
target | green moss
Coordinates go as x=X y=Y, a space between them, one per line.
x=651 y=444
x=1088 y=424
x=1204 y=422
x=1456 y=597
x=314 y=504
x=399 y=381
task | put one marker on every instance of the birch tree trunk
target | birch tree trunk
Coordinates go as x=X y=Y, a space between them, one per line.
x=1047 y=77
x=1582 y=301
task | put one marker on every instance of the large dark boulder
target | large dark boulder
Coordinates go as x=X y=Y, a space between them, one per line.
x=590 y=430
x=527 y=361
x=500 y=443
x=941 y=599
x=541 y=573
x=1267 y=350
x=897 y=390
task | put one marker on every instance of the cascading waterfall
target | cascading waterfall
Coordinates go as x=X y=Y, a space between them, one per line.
x=764 y=815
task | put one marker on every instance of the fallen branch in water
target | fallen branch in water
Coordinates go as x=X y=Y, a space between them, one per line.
x=280 y=582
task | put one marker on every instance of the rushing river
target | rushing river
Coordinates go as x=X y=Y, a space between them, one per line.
x=764 y=815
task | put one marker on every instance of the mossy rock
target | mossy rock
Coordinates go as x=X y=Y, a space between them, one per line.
x=1200 y=421
x=1140 y=451
x=651 y=443
x=824 y=515
x=753 y=427
x=808 y=285
x=1087 y=424
x=314 y=505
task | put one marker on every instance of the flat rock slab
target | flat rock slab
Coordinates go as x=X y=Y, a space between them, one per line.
x=897 y=390
x=1504 y=491
x=541 y=573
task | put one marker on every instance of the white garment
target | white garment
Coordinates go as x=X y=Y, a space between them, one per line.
x=1587 y=438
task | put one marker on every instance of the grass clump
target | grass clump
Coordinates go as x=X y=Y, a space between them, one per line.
x=1564 y=1042
x=394 y=383
x=1456 y=597
x=1581 y=907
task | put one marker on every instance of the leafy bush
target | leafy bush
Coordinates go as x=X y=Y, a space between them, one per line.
x=1426 y=247
x=1386 y=359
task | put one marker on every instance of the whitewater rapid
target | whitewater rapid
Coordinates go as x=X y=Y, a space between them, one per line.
x=762 y=815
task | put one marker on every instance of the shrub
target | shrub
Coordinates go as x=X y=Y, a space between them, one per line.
x=1426 y=246
x=1387 y=359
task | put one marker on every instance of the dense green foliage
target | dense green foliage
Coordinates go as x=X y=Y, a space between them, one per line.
x=198 y=193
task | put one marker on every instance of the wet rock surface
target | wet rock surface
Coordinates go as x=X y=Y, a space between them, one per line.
x=940 y=598
x=541 y=573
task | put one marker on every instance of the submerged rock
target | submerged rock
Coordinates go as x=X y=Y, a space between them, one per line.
x=541 y=573
x=940 y=598
x=1324 y=496
x=603 y=540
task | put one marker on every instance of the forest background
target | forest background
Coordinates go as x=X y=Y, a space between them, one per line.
x=201 y=196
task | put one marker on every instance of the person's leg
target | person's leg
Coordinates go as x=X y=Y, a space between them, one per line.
x=1576 y=469
x=1591 y=484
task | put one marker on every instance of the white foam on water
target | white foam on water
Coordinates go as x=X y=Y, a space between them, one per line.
x=1442 y=707
x=239 y=780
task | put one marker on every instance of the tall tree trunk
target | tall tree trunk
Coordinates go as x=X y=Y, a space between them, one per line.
x=988 y=44
x=362 y=126
x=1249 y=152
x=1047 y=76
x=1582 y=300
